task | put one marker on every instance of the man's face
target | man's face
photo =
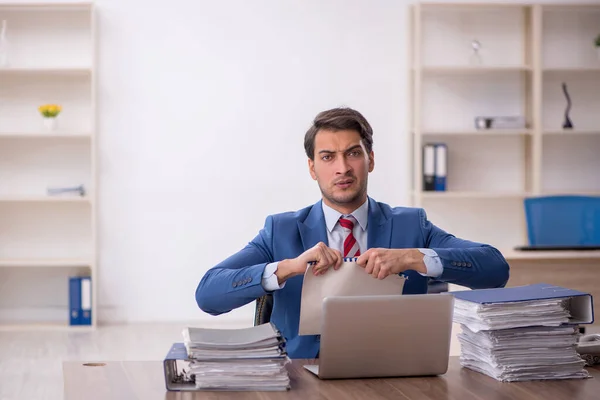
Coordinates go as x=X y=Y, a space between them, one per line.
x=341 y=167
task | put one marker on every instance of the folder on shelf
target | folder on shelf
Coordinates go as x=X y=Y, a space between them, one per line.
x=86 y=301
x=80 y=300
x=441 y=166
x=429 y=167
x=74 y=300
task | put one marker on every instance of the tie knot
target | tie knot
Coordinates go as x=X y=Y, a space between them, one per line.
x=347 y=222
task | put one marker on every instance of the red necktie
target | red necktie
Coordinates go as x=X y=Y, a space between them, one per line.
x=351 y=248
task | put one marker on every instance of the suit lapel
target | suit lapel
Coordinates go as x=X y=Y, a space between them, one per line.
x=313 y=229
x=379 y=229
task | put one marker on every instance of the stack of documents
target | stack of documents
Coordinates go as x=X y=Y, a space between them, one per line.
x=478 y=317
x=237 y=359
x=523 y=333
x=523 y=354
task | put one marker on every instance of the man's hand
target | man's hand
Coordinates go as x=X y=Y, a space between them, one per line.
x=380 y=263
x=325 y=257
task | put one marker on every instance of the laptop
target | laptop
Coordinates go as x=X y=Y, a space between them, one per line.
x=385 y=336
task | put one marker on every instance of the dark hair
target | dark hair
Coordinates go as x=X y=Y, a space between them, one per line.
x=338 y=119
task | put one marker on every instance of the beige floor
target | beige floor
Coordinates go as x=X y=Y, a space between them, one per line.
x=31 y=362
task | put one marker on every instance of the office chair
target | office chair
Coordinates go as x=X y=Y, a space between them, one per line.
x=564 y=220
x=264 y=307
x=264 y=304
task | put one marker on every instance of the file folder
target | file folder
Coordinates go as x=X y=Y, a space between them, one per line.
x=75 y=300
x=441 y=167
x=80 y=300
x=86 y=301
x=176 y=378
x=429 y=167
x=580 y=306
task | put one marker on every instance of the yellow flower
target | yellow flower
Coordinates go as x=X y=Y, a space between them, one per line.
x=50 y=110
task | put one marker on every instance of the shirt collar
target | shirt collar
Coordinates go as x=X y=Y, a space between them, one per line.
x=332 y=216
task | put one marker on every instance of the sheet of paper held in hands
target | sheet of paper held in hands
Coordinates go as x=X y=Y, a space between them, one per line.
x=349 y=280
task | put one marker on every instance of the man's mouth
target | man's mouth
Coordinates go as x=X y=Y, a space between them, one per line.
x=343 y=184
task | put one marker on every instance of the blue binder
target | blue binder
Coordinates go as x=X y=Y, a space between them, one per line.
x=80 y=300
x=441 y=167
x=75 y=300
x=581 y=305
x=174 y=365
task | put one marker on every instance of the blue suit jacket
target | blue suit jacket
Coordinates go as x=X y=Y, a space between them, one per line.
x=236 y=281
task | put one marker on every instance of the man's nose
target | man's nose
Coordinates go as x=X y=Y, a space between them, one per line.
x=342 y=166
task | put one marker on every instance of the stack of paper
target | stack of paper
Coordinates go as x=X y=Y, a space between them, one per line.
x=522 y=333
x=237 y=359
x=523 y=353
x=550 y=312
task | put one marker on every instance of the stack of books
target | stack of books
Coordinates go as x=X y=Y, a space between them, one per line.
x=523 y=333
x=248 y=359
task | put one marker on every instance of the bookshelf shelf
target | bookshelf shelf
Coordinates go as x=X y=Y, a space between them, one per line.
x=573 y=70
x=451 y=69
x=45 y=135
x=472 y=195
x=52 y=71
x=526 y=52
x=45 y=263
x=572 y=132
x=45 y=199
x=45 y=239
x=488 y=132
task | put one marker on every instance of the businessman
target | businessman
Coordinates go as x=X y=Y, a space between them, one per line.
x=346 y=222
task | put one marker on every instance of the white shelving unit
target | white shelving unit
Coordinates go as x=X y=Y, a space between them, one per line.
x=45 y=239
x=527 y=51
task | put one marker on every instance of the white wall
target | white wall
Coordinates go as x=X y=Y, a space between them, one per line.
x=204 y=106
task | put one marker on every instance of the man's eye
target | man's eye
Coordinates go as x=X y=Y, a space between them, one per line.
x=355 y=153
x=326 y=158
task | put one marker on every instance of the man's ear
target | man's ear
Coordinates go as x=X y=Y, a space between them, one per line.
x=311 y=169
x=371 y=161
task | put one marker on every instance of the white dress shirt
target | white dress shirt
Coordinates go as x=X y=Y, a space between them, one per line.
x=336 y=236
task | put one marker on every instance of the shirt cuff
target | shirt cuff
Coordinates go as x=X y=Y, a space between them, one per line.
x=432 y=263
x=269 y=279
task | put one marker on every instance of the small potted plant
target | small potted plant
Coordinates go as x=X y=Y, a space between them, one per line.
x=50 y=112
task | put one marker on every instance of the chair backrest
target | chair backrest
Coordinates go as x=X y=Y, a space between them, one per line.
x=264 y=307
x=568 y=220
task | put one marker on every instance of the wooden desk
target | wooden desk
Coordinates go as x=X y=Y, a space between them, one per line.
x=144 y=380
